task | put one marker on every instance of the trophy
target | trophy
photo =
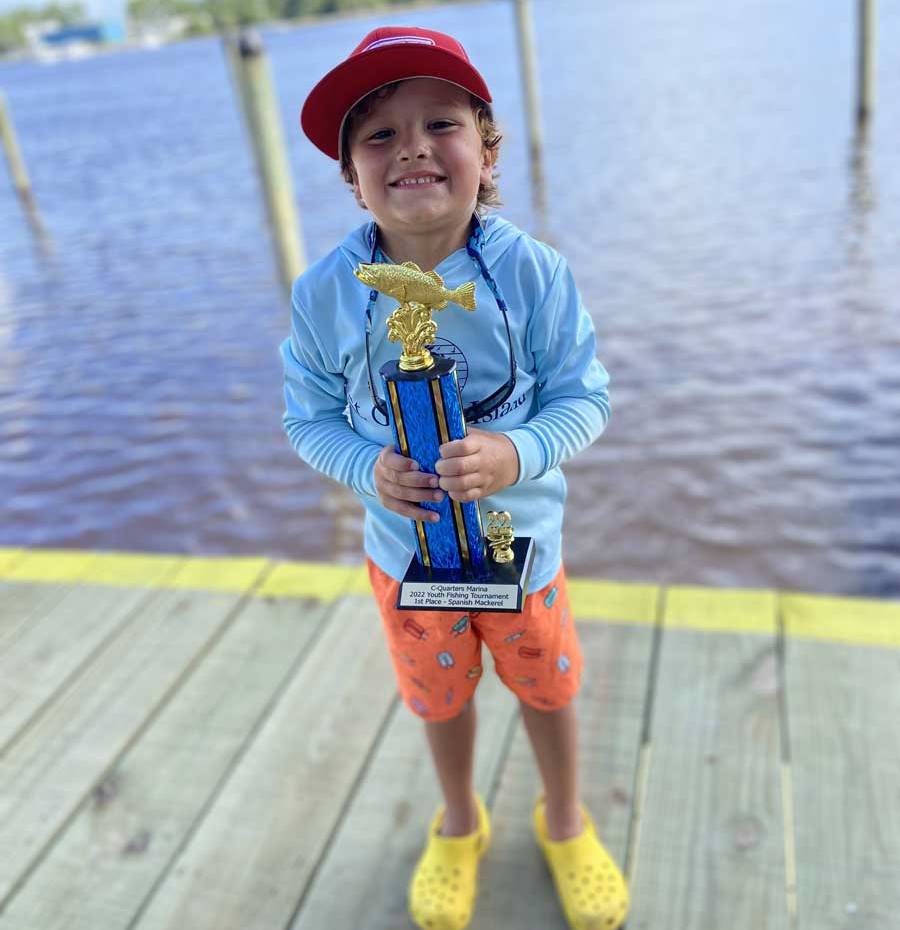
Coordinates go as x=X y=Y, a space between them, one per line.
x=454 y=566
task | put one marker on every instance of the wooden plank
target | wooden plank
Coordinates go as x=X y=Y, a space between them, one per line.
x=711 y=849
x=250 y=859
x=41 y=656
x=22 y=601
x=843 y=705
x=53 y=765
x=517 y=890
x=362 y=883
x=139 y=815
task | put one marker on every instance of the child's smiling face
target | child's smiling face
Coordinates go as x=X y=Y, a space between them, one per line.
x=418 y=159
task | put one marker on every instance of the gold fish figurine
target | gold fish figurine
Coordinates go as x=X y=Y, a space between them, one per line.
x=407 y=283
x=419 y=293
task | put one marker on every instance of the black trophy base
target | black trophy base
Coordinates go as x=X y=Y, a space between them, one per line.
x=502 y=587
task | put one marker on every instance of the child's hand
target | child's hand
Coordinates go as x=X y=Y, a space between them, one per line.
x=481 y=464
x=400 y=484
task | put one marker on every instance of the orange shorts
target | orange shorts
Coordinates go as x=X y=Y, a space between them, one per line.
x=437 y=654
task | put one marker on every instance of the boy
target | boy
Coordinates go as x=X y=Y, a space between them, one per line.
x=409 y=118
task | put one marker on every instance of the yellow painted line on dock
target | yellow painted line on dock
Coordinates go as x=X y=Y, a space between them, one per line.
x=359 y=581
x=8 y=558
x=132 y=569
x=50 y=566
x=322 y=581
x=858 y=621
x=720 y=610
x=621 y=602
x=218 y=573
x=842 y=619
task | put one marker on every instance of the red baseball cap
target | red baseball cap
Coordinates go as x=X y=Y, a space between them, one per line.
x=387 y=54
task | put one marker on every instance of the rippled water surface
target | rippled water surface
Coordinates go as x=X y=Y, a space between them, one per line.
x=738 y=247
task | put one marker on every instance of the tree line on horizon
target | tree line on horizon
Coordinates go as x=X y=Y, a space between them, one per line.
x=14 y=22
x=201 y=17
x=205 y=16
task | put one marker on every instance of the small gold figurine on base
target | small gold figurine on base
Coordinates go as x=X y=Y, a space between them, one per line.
x=500 y=534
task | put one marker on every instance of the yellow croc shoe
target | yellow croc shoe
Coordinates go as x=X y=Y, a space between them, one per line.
x=590 y=886
x=445 y=881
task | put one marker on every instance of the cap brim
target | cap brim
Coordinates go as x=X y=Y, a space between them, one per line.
x=344 y=86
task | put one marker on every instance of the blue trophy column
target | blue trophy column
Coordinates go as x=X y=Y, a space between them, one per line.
x=425 y=412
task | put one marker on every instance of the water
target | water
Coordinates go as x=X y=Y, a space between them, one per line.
x=737 y=247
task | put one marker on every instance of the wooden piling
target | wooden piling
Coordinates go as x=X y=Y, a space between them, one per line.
x=866 y=62
x=259 y=105
x=14 y=155
x=525 y=32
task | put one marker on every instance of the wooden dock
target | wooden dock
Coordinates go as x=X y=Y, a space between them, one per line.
x=215 y=744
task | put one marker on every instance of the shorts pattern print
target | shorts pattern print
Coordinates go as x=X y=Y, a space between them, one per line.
x=437 y=654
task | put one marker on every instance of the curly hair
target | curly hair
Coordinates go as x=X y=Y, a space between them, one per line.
x=488 y=194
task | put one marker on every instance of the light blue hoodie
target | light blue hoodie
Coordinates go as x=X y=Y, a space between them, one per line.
x=559 y=405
